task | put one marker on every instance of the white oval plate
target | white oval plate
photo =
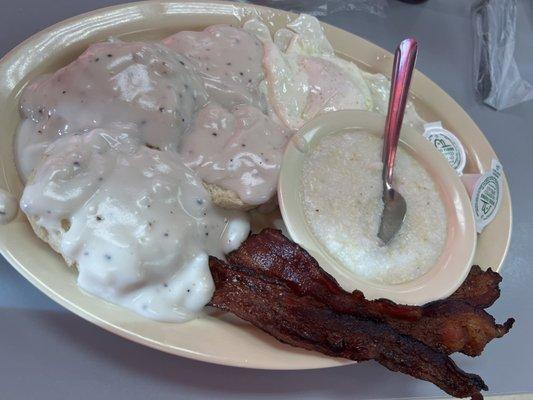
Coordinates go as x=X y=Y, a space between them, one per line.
x=215 y=338
x=455 y=261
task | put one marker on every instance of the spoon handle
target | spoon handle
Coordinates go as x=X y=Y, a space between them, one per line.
x=404 y=64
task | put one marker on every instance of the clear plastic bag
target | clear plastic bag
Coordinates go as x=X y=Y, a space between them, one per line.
x=496 y=76
x=320 y=8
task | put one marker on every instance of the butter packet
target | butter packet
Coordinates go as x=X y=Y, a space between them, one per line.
x=448 y=145
x=485 y=192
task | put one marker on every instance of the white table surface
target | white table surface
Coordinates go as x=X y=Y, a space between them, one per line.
x=48 y=353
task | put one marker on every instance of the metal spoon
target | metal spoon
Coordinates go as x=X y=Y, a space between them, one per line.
x=394 y=204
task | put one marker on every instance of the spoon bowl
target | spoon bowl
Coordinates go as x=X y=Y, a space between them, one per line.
x=394 y=210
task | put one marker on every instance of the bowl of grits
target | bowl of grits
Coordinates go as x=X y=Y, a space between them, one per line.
x=330 y=198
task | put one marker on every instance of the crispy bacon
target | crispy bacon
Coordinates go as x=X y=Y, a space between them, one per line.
x=456 y=324
x=480 y=289
x=272 y=304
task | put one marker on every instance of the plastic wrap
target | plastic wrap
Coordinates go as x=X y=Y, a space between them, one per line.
x=497 y=78
x=320 y=8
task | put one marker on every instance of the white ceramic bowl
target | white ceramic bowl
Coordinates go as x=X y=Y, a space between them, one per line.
x=455 y=261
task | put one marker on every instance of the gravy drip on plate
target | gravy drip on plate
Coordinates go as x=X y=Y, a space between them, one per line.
x=8 y=207
x=341 y=194
x=136 y=222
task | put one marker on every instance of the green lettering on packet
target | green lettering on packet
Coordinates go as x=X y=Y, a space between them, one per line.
x=487 y=195
x=447 y=144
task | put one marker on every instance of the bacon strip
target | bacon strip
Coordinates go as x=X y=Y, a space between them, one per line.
x=457 y=324
x=300 y=320
x=480 y=289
